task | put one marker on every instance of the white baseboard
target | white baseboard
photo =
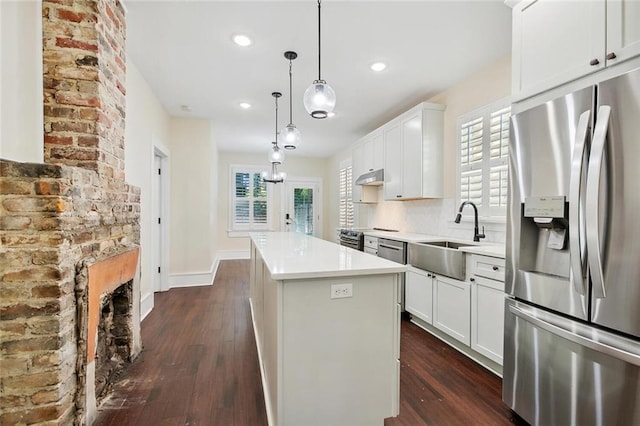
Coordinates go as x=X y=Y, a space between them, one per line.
x=192 y=279
x=233 y=254
x=146 y=305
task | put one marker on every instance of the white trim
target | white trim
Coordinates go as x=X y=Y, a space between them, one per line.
x=146 y=305
x=190 y=279
x=311 y=181
x=159 y=149
x=487 y=212
x=251 y=169
x=193 y=279
x=233 y=254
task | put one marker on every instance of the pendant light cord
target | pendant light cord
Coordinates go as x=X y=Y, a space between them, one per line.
x=290 y=95
x=276 y=139
x=319 y=39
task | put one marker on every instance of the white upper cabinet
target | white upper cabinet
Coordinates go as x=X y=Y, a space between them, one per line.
x=555 y=42
x=623 y=30
x=367 y=156
x=413 y=144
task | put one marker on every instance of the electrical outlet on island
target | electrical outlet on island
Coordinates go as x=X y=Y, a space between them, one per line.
x=339 y=291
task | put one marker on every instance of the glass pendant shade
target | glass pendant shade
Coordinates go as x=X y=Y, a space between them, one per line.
x=276 y=155
x=290 y=137
x=319 y=99
x=273 y=176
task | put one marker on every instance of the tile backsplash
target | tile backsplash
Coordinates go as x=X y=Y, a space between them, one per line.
x=433 y=217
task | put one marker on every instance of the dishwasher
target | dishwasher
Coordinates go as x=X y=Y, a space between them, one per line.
x=395 y=251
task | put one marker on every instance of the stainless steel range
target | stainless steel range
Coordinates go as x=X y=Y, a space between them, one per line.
x=351 y=238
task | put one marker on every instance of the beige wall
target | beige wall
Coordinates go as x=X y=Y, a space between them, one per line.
x=21 y=118
x=193 y=187
x=146 y=122
x=488 y=85
x=294 y=167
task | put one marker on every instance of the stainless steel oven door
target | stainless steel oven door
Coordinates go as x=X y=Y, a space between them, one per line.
x=350 y=243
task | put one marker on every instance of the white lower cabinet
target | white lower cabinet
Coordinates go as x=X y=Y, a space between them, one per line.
x=487 y=317
x=470 y=311
x=486 y=275
x=418 y=294
x=452 y=307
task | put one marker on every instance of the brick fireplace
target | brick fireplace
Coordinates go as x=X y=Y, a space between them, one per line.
x=70 y=229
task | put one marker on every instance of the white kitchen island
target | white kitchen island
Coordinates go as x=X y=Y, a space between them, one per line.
x=325 y=360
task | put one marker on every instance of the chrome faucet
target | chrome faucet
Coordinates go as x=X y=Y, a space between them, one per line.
x=476 y=234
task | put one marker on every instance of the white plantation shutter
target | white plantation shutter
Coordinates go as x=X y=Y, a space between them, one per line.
x=345 y=219
x=250 y=199
x=498 y=168
x=483 y=158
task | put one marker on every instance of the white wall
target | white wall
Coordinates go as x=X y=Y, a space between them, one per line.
x=146 y=121
x=193 y=187
x=21 y=92
x=293 y=166
x=435 y=217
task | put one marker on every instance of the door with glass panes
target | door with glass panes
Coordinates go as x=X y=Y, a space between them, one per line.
x=302 y=207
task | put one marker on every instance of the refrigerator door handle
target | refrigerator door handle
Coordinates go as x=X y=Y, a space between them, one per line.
x=593 y=200
x=576 y=226
x=607 y=349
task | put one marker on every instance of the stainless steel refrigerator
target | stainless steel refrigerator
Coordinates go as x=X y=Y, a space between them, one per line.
x=572 y=314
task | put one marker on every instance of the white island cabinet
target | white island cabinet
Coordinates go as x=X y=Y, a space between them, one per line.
x=327 y=325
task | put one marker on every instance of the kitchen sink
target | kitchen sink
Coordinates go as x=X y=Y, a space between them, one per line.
x=439 y=257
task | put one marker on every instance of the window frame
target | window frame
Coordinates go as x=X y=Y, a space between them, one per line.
x=485 y=211
x=346 y=195
x=243 y=230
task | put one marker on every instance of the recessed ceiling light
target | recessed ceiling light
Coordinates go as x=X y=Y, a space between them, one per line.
x=185 y=108
x=378 y=66
x=242 y=40
x=245 y=105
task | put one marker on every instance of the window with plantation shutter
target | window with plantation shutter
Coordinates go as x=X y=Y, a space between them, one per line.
x=483 y=158
x=250 y=201
x=345 y=217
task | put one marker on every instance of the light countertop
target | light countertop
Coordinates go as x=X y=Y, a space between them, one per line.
x=290 y=255
x=482 y=248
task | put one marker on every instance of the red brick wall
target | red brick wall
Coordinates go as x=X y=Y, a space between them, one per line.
x=84 y=91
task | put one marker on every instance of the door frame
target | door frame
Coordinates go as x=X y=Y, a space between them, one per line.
x=160 y=234
x=310 y=181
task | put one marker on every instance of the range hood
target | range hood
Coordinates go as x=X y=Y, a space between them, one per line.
x=375 y=177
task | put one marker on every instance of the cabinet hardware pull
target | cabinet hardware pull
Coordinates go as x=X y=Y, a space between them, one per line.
x=472 y=279
x=429 y=275
x=495 y=268
x=611 y=55
x=594 y=62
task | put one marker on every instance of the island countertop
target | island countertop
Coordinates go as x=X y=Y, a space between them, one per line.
x=291 y=255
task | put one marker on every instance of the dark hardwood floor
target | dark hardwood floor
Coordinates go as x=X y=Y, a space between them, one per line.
x=199 y=366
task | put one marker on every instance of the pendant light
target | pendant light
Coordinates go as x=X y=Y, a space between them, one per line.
x=276 y=155
x=319 y=98
x=290 y=136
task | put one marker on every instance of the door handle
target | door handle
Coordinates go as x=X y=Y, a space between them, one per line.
x=389 y=247
x=593 y=200
x=576 y=207
x=608 y=349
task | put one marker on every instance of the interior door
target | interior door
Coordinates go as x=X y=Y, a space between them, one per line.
x=302 y=207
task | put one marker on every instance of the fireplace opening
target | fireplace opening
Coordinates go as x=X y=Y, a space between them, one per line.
x=115 y=338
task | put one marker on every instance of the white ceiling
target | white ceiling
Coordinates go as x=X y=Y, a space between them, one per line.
x=184 y=50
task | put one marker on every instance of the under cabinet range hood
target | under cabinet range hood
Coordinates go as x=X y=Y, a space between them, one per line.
x=375 y=177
